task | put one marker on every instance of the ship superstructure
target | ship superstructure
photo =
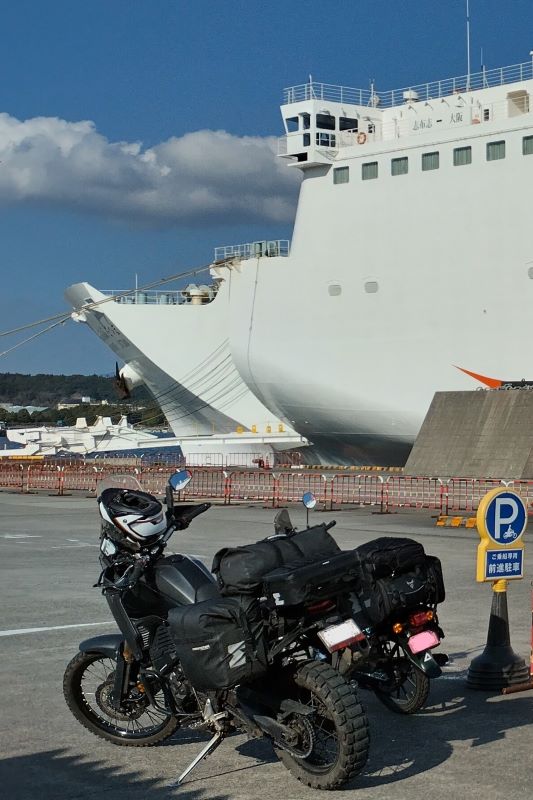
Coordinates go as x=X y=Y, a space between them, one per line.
x=411 y=257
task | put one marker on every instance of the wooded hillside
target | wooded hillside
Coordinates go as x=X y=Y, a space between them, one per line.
x=48 y=390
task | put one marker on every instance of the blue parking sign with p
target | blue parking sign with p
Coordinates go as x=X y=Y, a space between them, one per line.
x=505 y=518
x=501 y=520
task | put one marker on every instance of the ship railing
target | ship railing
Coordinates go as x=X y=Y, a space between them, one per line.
x=424 y=91
x=419 y=122
x=127 y=297
x=262 y=249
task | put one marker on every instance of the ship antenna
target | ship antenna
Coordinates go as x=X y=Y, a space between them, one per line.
x=467 y=45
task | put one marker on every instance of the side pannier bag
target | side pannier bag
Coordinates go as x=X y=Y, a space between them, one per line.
x=220 y=642
x=435 y=579
x=240 y=570
x=389 y=555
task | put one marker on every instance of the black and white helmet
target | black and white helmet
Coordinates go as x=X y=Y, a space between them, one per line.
x=135 y=519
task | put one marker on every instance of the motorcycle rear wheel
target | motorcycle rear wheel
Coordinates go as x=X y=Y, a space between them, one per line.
x=87 y=683
x=340 y=729
x=410 y=694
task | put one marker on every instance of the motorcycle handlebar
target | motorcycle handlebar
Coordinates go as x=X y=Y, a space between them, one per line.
x=184 y=515
x=331 y=524
x=131 y=576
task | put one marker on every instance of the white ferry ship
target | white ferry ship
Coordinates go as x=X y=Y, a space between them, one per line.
x=410 y=271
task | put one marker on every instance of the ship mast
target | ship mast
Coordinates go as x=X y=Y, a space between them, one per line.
x=467 y=45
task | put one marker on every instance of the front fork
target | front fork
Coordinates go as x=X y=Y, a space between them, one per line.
x=124 y=673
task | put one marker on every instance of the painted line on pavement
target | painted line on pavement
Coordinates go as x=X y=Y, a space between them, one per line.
x=18 y=631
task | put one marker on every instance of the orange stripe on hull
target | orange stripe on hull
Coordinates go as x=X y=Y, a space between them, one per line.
x=492 y=383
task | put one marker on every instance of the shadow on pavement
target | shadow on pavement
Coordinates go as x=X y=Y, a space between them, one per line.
x=55 y=774
x=403 y=746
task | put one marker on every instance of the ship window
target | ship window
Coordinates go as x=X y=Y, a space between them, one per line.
x=527 y=146
x=341 y=175
x=399 y=166
x=369 y=170
x=430 y=161
x=324 y=139
x=462 y=156
x=486 y=114
x=325 y=121
x=306 y=121
x=348 y=124
x=495 y=150
x=292 y=124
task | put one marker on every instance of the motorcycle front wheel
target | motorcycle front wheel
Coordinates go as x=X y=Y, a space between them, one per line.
x=409 y=688
x=334 y=739
x=87 y=686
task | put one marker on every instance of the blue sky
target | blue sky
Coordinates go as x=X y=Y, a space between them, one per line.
x=136 y=136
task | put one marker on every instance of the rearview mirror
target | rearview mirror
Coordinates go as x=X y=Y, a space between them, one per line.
x=179 y=480
x=309 y=500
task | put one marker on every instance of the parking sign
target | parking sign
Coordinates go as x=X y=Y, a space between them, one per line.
x=501 y=522
x=505 y=518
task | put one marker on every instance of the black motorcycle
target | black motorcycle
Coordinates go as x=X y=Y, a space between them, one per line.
x=257 y=650
x=394 y=602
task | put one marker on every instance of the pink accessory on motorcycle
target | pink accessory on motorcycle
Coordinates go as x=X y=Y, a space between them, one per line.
x=423 y=641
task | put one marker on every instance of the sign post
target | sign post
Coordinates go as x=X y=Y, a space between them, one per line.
x=501 y=521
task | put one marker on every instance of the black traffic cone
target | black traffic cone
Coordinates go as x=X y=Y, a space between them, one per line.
x=498 y=665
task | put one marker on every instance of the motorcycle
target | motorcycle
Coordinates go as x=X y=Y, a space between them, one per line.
x=395 y=659
x=188 y=655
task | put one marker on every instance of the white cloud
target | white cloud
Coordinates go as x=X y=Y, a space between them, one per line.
x=205 y=176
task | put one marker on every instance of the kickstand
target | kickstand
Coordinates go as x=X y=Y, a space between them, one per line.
x=207 y=750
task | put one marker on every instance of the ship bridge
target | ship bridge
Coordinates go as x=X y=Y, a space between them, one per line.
x=320 y=119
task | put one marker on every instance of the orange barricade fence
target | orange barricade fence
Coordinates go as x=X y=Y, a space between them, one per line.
x=43 y=476
x=360 y=490
x=292 y=485
x=12 y=476
x=153 y=479
x=448 y=496
x=411 y=492
x=208 y=483
x=250 y=485
x=464 y=494
x=525 y=490
x=74 y=476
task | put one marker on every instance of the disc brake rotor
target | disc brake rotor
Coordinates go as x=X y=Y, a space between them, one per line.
x=103 y=698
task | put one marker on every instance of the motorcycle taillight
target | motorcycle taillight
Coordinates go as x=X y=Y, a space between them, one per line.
x=420 y=618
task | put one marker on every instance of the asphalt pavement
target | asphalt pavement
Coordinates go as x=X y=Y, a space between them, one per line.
x=464 y=744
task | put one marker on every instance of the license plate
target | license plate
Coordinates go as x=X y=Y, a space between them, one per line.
x=336 y=637
x=423 y=641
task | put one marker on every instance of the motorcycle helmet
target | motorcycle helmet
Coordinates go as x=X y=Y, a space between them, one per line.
x=134 y=519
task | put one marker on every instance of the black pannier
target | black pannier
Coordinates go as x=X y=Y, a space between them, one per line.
x=305 y=582
x=383 y=597
x=436 y=578
x=389 y=555
x=240 y=570
x=220 y=642
x=412 y=579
